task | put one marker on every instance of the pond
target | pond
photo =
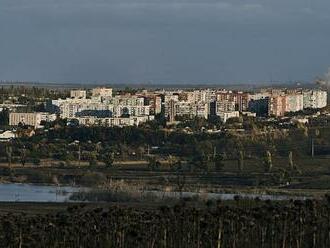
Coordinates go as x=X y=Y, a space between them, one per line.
x=14 y=192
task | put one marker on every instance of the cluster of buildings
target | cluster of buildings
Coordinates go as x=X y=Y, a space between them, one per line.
x=204 y=103
x=229 y=104
x=101 y=106
x=277 y=102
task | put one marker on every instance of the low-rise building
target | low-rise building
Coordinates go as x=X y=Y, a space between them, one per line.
x=224 y=116
x=7 y=135
x=113 y=121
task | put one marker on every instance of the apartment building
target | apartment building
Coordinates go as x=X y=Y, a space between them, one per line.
x=78 y=94
x=294 y=102
x=67 y=108
x=199 y=96
x=314 y=98
x=241 y=99
x=118 y=105
x=113 y=121
x=102 y=92
x=30 y=119
x=224 y=106
x=277 y=105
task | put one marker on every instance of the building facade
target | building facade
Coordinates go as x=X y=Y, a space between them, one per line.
x=30 y=119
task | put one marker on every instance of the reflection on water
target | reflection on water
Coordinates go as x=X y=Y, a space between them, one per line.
x=35 y=193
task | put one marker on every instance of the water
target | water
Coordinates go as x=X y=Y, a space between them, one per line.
x=13 y=192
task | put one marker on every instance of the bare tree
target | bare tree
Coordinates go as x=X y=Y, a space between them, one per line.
x=240 y=161
x=23 y=156
x=268 y=162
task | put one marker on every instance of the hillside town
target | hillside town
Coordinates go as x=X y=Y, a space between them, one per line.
x=103 y=106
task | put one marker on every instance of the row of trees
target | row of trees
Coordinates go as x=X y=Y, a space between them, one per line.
x=254 y=223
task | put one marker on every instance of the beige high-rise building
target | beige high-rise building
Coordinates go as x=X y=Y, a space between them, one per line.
x=78 y=94
x=172 y=112
x=277 y=105
x=102 y=92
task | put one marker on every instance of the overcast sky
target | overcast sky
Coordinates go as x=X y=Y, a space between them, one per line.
x=164 y=41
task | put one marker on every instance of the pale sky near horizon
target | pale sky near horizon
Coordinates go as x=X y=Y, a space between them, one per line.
x=164 y=41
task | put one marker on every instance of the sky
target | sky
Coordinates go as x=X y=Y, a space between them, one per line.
x=164 y=41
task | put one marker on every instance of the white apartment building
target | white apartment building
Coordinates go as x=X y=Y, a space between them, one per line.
x=315 y=98
x=128 y=100
x=158 y=105
x=224 y=106
x=202 y=109
x=259 y=96
x=119 y=110
x=294 y=102
x=114 y=121
x=69 y=107
x=129 y=105
x=184 y=108
x=198 y=96
x=118 y=105
x=169 y=97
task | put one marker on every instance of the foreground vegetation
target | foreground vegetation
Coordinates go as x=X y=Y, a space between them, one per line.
x=239 y=223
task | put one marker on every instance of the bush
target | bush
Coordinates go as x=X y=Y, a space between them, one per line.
x=39 y=177
x=36 y=161
x=5 y=172
x=92 y=179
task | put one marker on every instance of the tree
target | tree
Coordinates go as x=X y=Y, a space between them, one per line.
x=153 y=163
x=36 y=161
x=218 y=162
x=180 y=182
x=141 y=152
x=23 y=156
x=268 y=164
x=108 y=159
x=200 y=162
x=92 y=159
x=4 y=117
x=291 y=164
x=9 y=152
x=240 y=161
x=175 y=163
x=178 y=165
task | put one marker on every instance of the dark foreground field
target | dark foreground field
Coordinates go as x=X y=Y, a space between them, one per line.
x=239 y=223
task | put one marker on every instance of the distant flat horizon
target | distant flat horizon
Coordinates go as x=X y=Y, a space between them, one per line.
x=238 y=86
